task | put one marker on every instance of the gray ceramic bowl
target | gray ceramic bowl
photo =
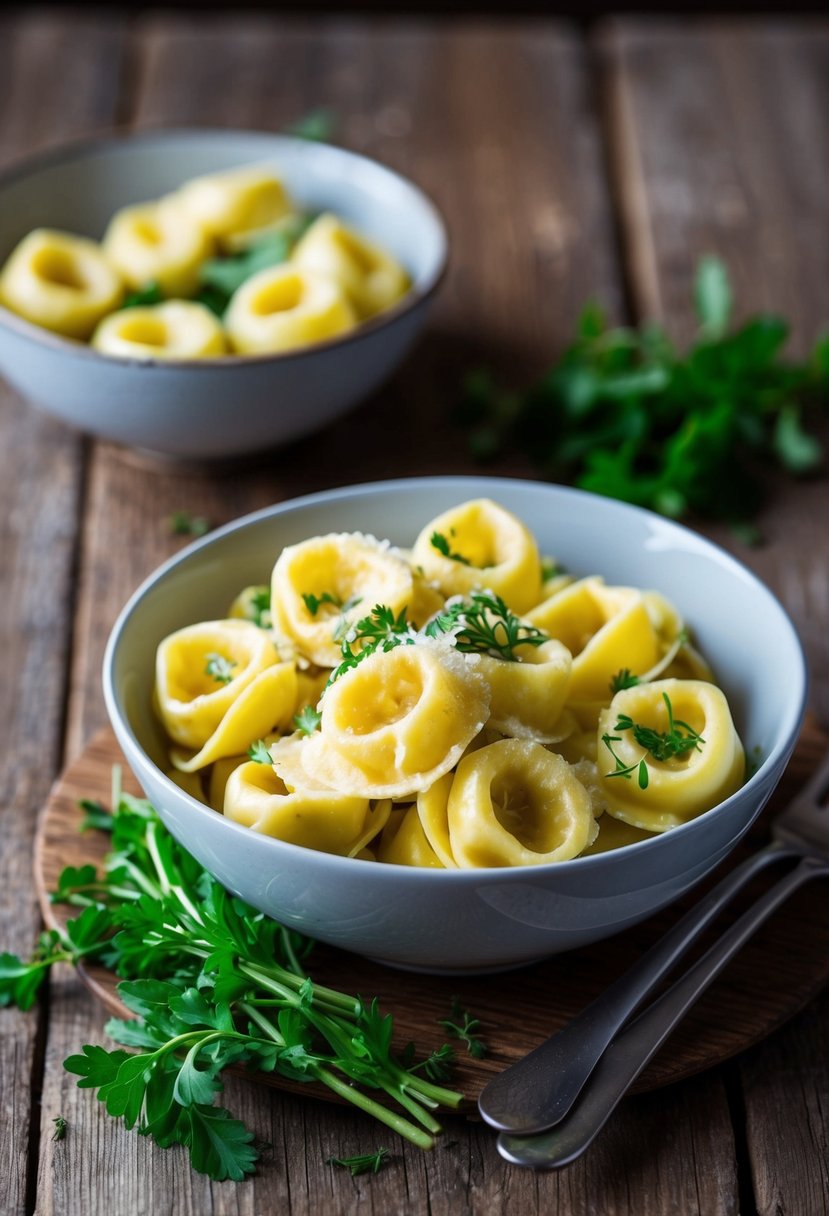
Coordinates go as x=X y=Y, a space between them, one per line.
x=498 y=918
x=202 y=409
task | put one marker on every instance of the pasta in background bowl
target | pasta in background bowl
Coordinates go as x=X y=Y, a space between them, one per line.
x=206 y=404
x=512 y=913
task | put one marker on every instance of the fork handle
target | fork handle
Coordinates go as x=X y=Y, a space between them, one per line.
x=539 y=1090
x=630 y=1052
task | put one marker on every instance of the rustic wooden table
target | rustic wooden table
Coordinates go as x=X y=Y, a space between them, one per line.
x=567 y=166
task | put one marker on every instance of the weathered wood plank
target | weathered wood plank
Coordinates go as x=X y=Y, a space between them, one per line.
x=721 y=147
x=41 y=469
x=507 y=112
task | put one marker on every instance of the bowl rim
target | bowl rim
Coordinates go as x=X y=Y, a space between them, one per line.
x=788 y=731
x=417 y=294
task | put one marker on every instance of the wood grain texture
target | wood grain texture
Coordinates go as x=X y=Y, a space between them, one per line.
x=510 y=111
x=721 y=146
x=41 y=469
x=547 y=995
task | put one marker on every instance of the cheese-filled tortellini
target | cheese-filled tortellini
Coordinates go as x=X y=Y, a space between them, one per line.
x=605 y=629
x=368 y=276
x=515 y=803
x=284 y=308
x=238 y=205
x=179 y=329
x=60 y=282
x=668 y=751
x=481 y=544
x=220 y=686
x=456 y=705
x=404 y=842
x=333 y=823
x=396 y=721
x=157 y=243
x=527 y=694
x=322 y=586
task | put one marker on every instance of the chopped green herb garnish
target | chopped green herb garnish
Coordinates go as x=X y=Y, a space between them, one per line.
x=462 y=1025
x=483 y=624
x=550 y=569
x=679 y=739
x=307 y=720
x=623 y=679
x=314 y=602
x=60 y=1128
x=259 y=607
x=370 y=1163
x=144 y=297
x=209 y=982
x=221 y=277
x=182 y=523
x=625 y=414
x=438 y=541
x=219 y=668
x=343 y=623
x=259 y=752
x=380 y=630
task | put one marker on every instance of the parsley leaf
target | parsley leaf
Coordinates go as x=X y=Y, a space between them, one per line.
x=210 y=982
x=368 y=1163
x=625 y=414
x=314 y=602
x=219 y=667
x=623 y=679
x=258 y=751
x=221 y=277
x=307 y=720
x=462 y=1025
x=317 y=125
x=60 y=1128
x=380 y=630
x=438 y=541
x=483 y=624
x=143 y=297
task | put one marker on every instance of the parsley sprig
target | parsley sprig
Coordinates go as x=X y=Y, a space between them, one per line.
x=367 y=1163
x=219 y=667
x=676 y=741
x=440 y=542
x=625 y=414
x=210 y=982
x=483 y=624
x=462 y=1025
x=314 y=602
x=380 y=630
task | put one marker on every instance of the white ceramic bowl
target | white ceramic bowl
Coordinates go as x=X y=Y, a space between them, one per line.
x=470 y=920
x=203 y=409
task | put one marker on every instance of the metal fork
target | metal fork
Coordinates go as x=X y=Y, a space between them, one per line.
x=536 y=1093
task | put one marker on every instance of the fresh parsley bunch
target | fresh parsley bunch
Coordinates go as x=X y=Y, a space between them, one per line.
x=212 y=982
x=623 y=413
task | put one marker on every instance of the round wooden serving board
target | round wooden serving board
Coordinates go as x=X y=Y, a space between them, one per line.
x=784 y=965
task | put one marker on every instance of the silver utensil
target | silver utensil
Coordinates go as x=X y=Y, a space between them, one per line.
x=623 y=1061
x=538 y=1091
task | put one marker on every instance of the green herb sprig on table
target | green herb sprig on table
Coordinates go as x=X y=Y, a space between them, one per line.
x=210 y=982
x=368 y=1163
x=462 y=1025
x=627 y=415
x=483 y=624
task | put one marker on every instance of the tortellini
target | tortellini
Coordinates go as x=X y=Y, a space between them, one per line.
x=451 y=707
x=179 y=329
x=481 y=544
x=369 y=278
x=705 y=765
x=157 y=243
x=60 y=282
x=225 y=264
x=396 y=722
x=284 y=308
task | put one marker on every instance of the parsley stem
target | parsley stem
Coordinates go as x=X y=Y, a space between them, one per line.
x=396 y=1122
x=339 y=1002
